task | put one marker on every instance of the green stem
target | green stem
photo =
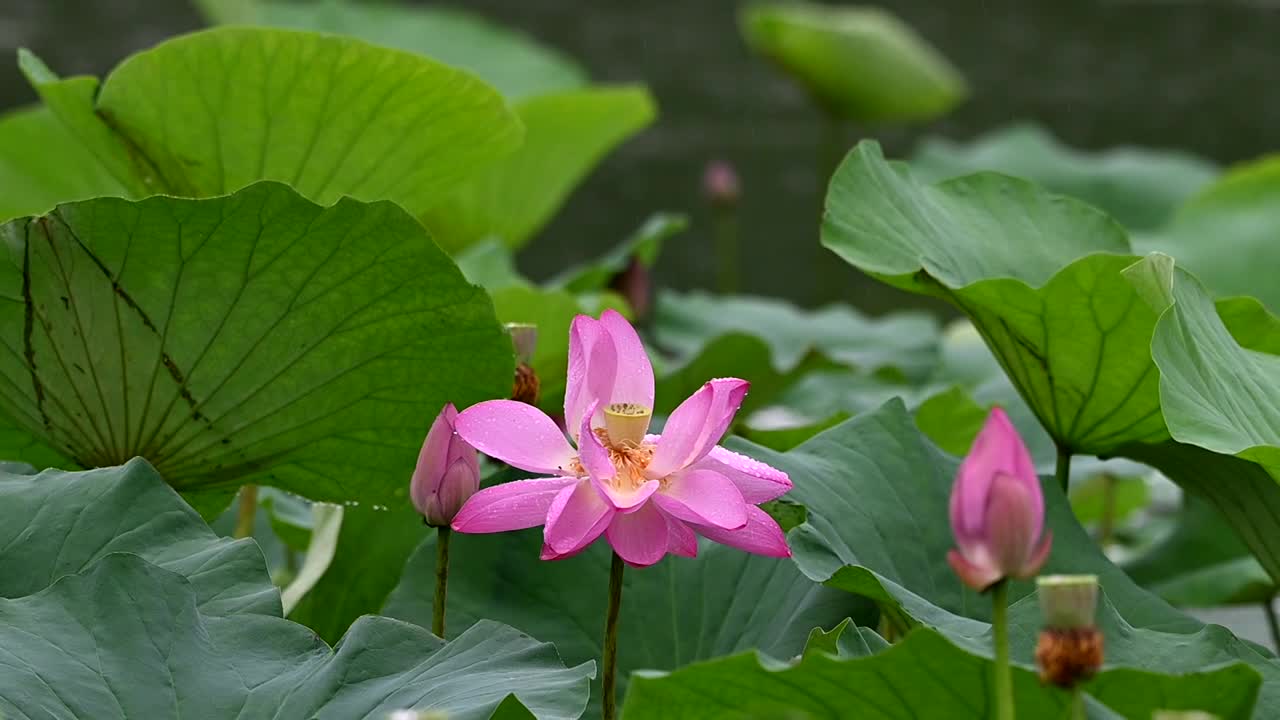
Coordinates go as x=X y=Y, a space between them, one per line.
x=1077 y=704
x=609 y=698
x=1063 y=469
x=248 y=509
x=1269 y=606
x=1000 y=633
x=1106 y=523
x=726 y=232
x=442 y=580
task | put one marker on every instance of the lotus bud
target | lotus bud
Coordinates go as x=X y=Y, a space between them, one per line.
x=997 y=509
x=526 y=386
x=720 y=184
x=1070 y=648
x=415 y=715
x=448 y=471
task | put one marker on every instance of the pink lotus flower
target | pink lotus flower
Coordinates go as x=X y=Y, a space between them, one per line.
x=647 y=494
x=997 y=509
x=448 y=471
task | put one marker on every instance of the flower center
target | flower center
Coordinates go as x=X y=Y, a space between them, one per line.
x=629 y=459
x=627 y=423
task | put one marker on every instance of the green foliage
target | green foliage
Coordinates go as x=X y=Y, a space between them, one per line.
x=906 y=341
x=112 y=582
x=59 y=523
x=1044 y=280
x=566 y=135
x=675 y=613
x=1225 y=235
x=874 y=481
x=37 y=154
x=861 y=63
x=512 y=62
x=924 y=676
x=255 y=337
x=1214 y=393
x=1139 y=187
x=1201 y=563
x=209 y=113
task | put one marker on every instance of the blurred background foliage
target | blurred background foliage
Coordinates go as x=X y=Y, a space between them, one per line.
x=1092 y=73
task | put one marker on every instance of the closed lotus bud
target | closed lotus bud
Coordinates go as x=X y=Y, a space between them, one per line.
x=720 y=184
x=525 y=387
x=1070 y=649
x=997 y=509
x=448 y=471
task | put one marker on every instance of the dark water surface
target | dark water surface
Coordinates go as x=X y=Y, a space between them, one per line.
x=1196 y=74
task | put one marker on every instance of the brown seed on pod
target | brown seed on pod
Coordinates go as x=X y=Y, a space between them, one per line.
x=1068 y=656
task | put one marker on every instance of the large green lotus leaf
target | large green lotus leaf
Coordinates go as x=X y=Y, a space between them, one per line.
x=514 y=63
x=874 y=479
x=255 y=337
x=674 y=613
x=1201 y=563
x=1226 y=235
x=1140 y=187
x=924 y=677
x=861 y=63
x=566 y=135
x=58 y=523
x=1038 y=274
x=125 y=639
x=786 y=437
x=1250 y=323
x=1215 y=394
x=1217 y=397
x=906 y=341
x=72 y=103
x=42 y=164
x=211 y=112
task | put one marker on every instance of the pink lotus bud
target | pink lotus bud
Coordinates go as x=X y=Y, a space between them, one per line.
x=448 y=471
x=720 y=184
x=997 y=509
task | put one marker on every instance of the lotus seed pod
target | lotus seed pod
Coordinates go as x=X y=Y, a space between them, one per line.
x=1068 y=601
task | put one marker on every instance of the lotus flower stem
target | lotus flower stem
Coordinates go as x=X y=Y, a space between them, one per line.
x=722 y=189
x=726 y=232
x=1107 y=523
x=443 y=533
x=1269 y=607
x=609 y=699
x=1062 y=471
x=1077 y=705
x=1000 y=635
x=248 y=510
